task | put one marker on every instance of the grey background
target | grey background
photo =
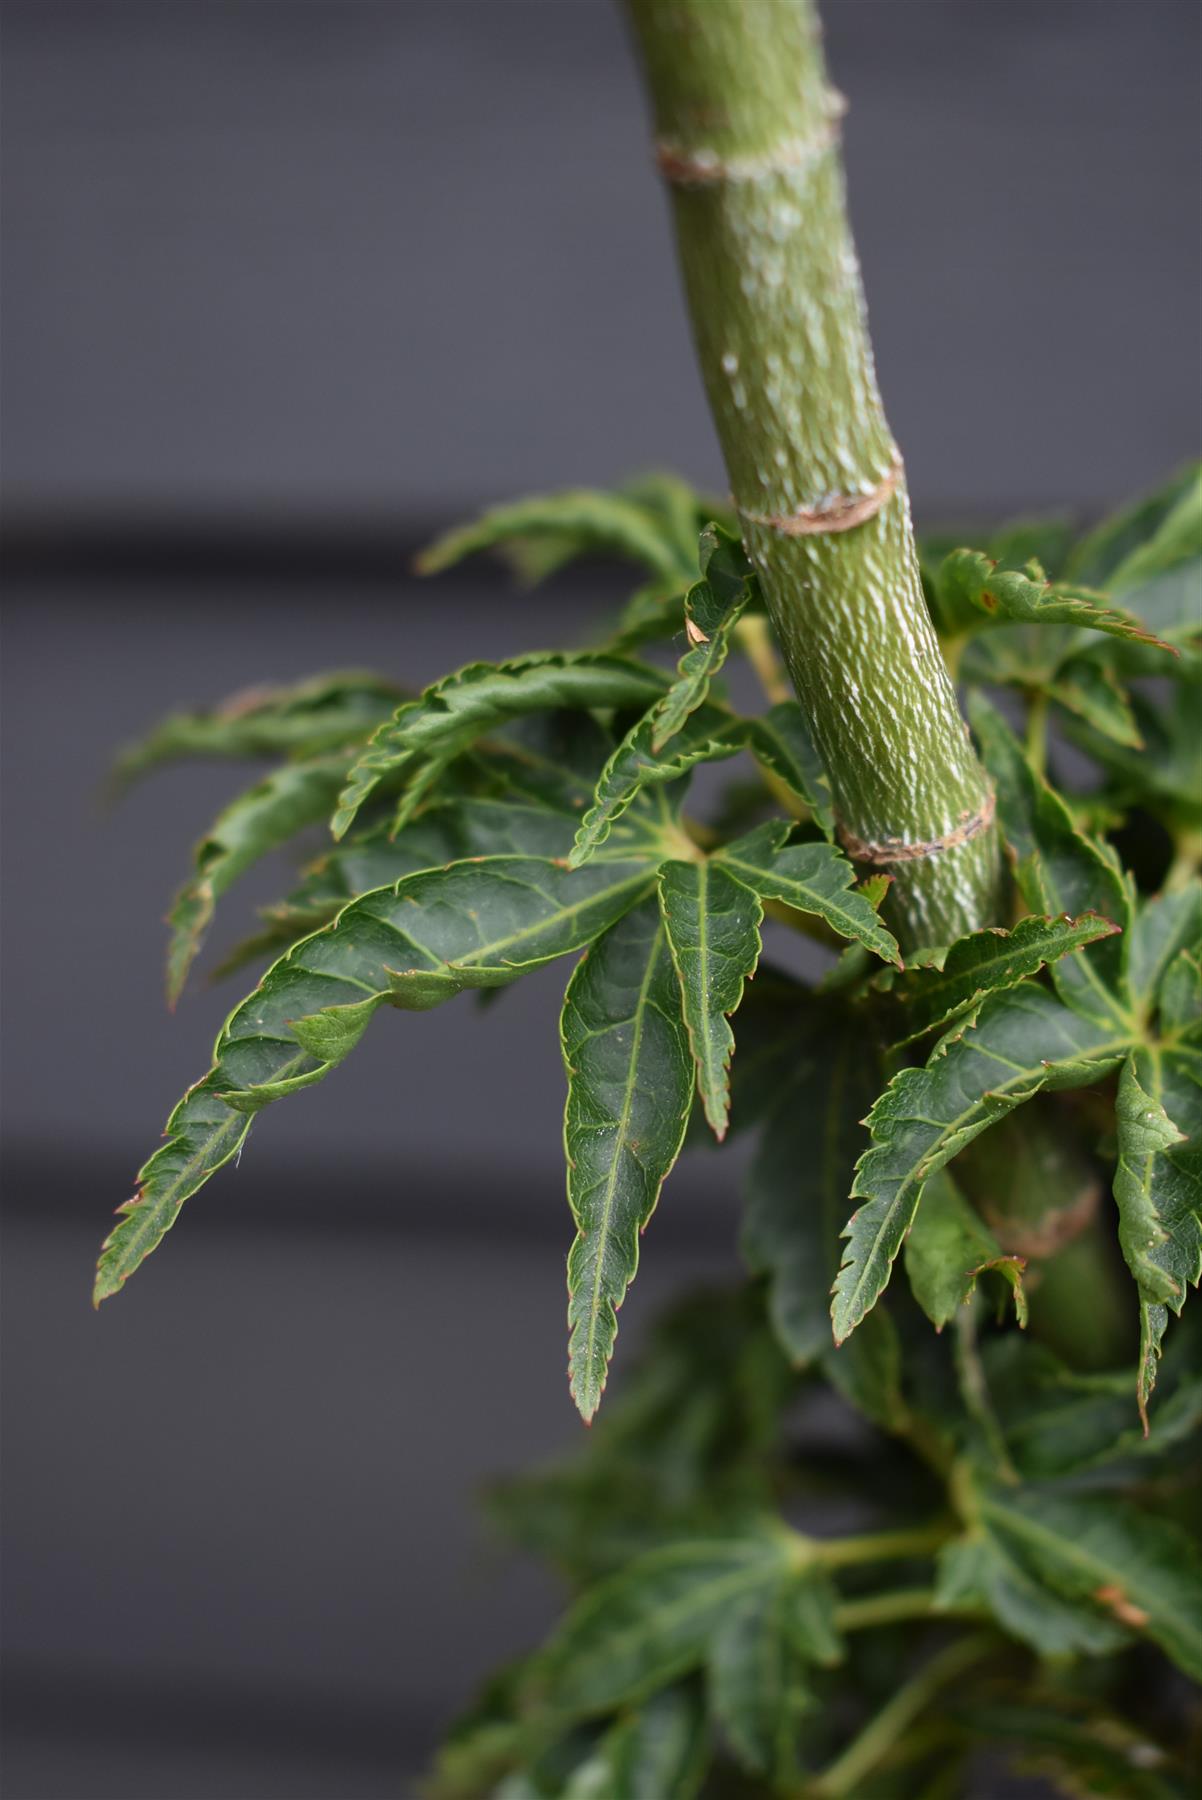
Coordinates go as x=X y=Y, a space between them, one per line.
x=284 y=286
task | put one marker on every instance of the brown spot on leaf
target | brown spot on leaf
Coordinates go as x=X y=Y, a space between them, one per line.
x=1115 y=1600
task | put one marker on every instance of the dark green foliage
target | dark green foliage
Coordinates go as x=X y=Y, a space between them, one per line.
x=1017 y=1501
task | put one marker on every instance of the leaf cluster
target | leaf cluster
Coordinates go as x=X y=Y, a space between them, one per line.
x=1021 y=1500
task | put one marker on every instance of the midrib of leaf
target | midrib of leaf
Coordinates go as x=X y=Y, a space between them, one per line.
x=620 y=1143
x=644 y=878
x=1004 y=957
x=750 y=872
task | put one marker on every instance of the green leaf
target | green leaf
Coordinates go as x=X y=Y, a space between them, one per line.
x=1092 y=1754
x=1158 y=1187
x=455 y=712
x=948 y=1248
x=708 y=735
x=429 y=936
x=1058 y=869
x=985 y=961
x=801 y=1174
x=259 y=820
x=1122 y=1565
x=971 y=581
x=320 y=714
x=577 y=521
x=712 y=608
x=202 y=1135
x=978 y=1572
x=654 y=1621
x=661 y=1749
x=1155 y=535
x=630 y=1088
x=1162 y=775
x=1164 y=926
x=757 y=1687
x=813 y=878
x=780 y=742
x=1089 y=690
x=713 y=926
x=1180 y=999
x=1021 y=1041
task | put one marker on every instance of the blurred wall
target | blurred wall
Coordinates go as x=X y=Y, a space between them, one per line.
x=286 y=282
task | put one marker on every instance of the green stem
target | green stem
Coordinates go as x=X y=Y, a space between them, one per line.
x=877 y=1546
x=885 y=1609
x=747 y=139
x=1037 y=730
x=846 y=1774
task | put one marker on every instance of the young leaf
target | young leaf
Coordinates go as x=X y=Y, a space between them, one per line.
x=813 y=878
x=630 y=1087
x=757 y=1688
x=654 y=1621
x=713 y=926
x=970 y=581
x=1058 y=869
x=453 y=713
x=1022 y=1040
x=312 y=716
x=712 y=608
x=475 y=924
x=259 y=820
x=576 y=521
x=948 y=1248
x=801 y=1174
x=708 y=735
x=1122 y=1565
x=974 y=966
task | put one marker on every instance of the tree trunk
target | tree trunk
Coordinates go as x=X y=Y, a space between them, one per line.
x=747 y=139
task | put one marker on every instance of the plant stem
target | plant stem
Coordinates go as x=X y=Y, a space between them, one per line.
x=884 y=1609
x=877 y=1546
x=747 y=139
x=847 y=1772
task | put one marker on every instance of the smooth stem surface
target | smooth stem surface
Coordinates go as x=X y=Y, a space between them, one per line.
x=747 y=131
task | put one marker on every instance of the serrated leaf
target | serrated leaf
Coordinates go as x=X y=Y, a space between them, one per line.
x=1158 y=1187
x=1059 y=870
x=1022 y=1040
x=202 y=1135
x=708 y=735
x=475 y=924
x=985 y=961
x=630 y=1088
x=320 y=714
x=259 y=820
x=712 y=608
x=978 y=1572
x=948 y=1248
x=654 y=1621
x=757 y=1688
x=812 y=878
x=780 y=741
x=801 y=1174
x=971 y=581
x=1121 y=1565
x=452 y=714
x=576 y=521
x=1179 y=999
x=713 y=926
